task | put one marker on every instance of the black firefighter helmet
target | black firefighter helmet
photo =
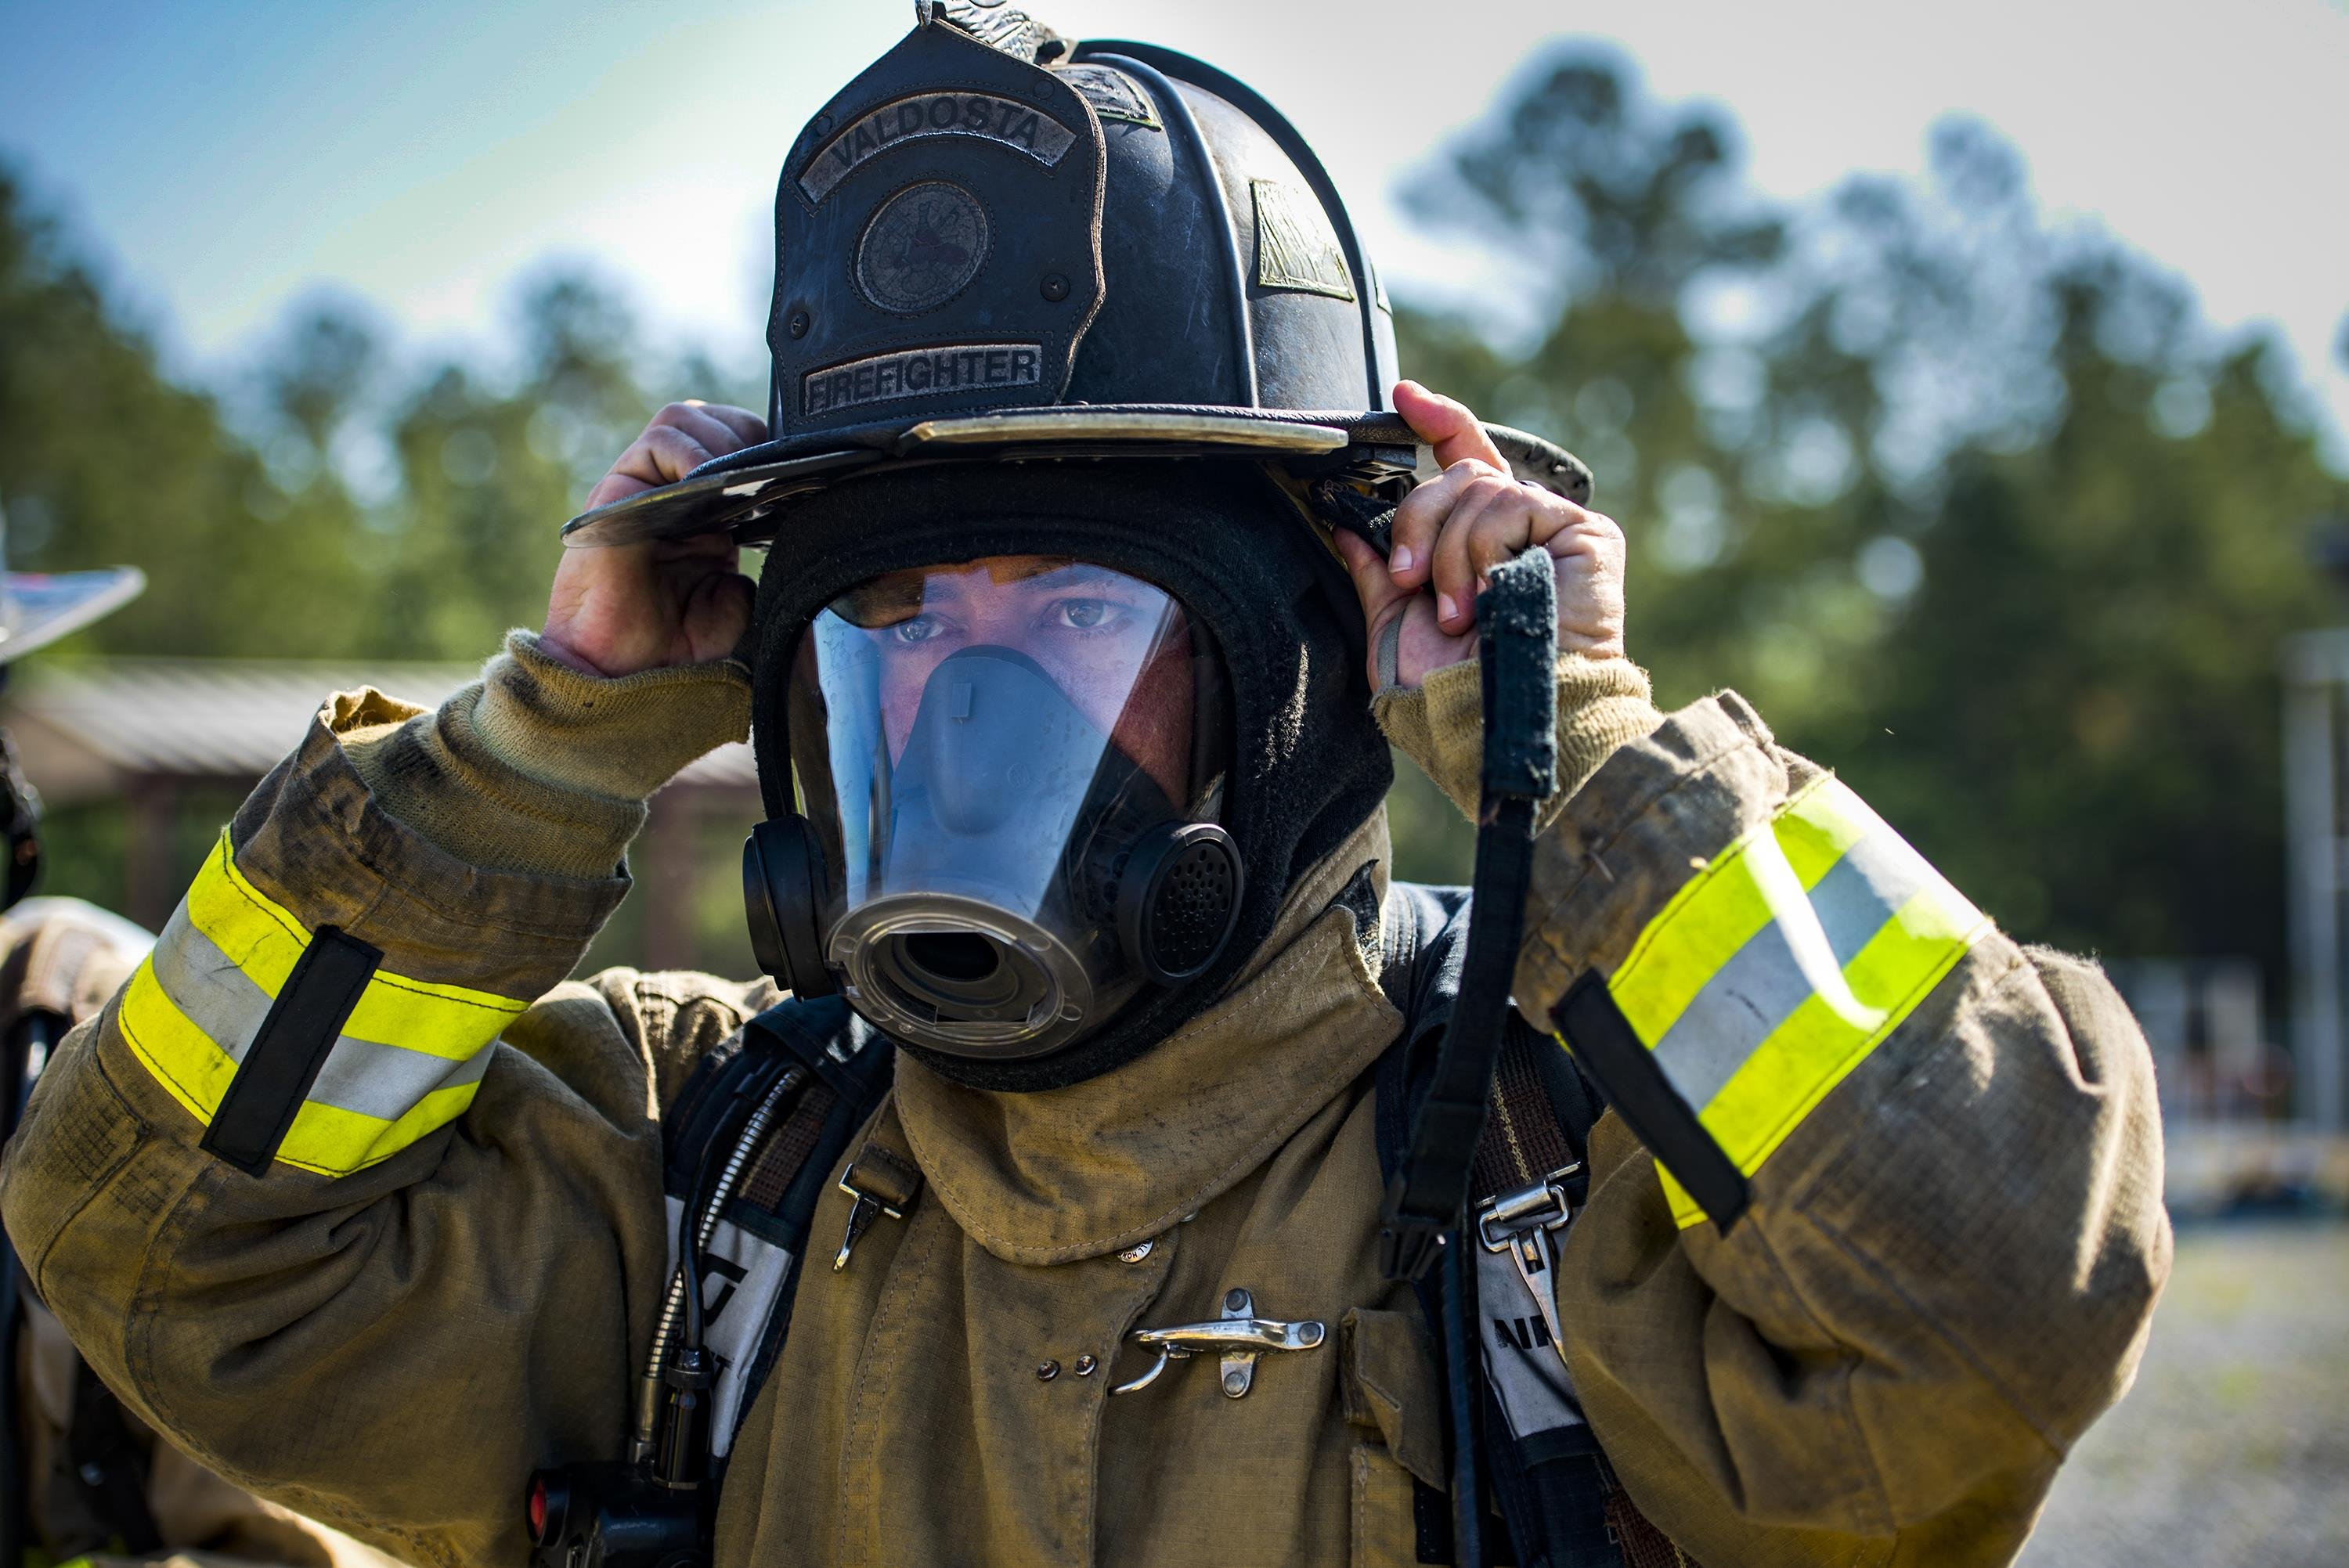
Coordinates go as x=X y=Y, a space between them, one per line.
x=995 y=245
x=1031 y=806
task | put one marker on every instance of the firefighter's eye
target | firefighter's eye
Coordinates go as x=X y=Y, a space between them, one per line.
x=1087 y=616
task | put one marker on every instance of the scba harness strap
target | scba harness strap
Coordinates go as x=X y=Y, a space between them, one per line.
x=1542 y=1468
x=1559 y=1503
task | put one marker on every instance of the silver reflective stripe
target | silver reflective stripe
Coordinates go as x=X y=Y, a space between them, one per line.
x=1765 y=980
x=216 y=995
x=385 y=1082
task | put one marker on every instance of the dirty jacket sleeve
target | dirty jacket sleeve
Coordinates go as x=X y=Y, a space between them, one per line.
x=1953 y=1235
x=346 y=1191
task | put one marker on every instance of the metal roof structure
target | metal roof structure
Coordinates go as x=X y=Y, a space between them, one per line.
x=88 y=728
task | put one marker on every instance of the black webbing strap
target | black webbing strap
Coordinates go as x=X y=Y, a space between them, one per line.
x=34 y=1033
x=1427 y=1201
x=1465 y=1391
x=283 y=1059
x=1626 y=1072
x=1518 y=613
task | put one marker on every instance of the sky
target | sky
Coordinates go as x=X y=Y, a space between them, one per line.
x=228 y=160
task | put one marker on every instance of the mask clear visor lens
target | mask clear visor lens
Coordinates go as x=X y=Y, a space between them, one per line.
x=980 y=746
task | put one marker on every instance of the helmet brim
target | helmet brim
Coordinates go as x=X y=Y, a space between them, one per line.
x=743 y=492
x=37 y=608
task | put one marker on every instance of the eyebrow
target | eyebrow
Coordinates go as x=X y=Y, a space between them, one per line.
x=1069 y=573
x=883 y=602
x=900 y=595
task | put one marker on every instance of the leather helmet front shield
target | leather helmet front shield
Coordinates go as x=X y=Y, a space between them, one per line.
x=939 y=239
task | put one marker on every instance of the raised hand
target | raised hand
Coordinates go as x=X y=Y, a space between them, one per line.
x=1453 y=529
x=615 y=610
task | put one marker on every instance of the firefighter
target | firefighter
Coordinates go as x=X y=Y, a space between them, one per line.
x=1073 y=1206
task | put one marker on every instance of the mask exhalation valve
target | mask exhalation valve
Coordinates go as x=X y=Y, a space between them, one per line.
x=1179 y=899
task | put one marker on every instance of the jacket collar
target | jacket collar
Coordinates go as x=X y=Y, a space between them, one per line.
x=1056 y=1175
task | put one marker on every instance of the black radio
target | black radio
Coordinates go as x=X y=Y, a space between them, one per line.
x=650 y=1514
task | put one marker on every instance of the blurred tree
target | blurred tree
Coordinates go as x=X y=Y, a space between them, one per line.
x=320 y=370
x=102 y=459
x=486 y=473
x=1969 y=504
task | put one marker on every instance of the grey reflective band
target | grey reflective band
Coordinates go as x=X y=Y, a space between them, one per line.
x=1765 y=980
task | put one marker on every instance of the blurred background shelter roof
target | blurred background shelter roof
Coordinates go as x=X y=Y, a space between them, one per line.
x=171 y=743
x=100 y=726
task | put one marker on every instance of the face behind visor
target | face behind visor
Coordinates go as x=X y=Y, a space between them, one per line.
x=1012 y=768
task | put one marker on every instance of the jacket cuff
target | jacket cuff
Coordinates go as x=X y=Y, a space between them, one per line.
x=1602 y=703
x=538 y=768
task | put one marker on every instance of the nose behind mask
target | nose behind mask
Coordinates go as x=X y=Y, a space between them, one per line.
x=995 y=735
x=1033 y=877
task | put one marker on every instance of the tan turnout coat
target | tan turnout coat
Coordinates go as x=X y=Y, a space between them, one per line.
x=1953 y=1247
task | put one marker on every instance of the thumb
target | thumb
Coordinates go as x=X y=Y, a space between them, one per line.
x=1372 y=581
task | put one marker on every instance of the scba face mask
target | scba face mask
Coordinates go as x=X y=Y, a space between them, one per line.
x=1010 y=769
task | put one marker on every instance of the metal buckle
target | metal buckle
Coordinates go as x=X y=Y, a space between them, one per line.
x=882 y=1183
x=1520 y=1225
x=1543 y=1206
x=1240 y=1334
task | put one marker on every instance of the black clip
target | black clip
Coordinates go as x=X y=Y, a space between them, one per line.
x=1409 y=1244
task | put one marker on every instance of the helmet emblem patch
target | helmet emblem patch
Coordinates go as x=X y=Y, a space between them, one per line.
x=1294 y=246
x=1113 y=93
x=923 y=247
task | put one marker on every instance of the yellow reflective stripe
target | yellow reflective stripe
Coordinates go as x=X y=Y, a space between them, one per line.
x=266 y=941
x=181 y=1058
x=336 y=1142
x=399 y=1029
x=1819 y=825
x=256 y=935
x=1725 y=905
x=1776 y=970
x=1802 y=1061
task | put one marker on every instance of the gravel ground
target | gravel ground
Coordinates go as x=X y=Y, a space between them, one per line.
x=2233 y=1447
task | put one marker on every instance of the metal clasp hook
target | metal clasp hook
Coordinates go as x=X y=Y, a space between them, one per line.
x=1240 y=1334
x=1521 y=1223
x=881 y=1184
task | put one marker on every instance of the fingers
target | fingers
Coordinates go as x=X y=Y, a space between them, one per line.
x=1455 y=527
x=680 y=438
x=1447 y=425
x=1492 y=522
x=1425 y=510
x=748 y=428
x=1377 y=587
x=1458 y=526
x=717 y=613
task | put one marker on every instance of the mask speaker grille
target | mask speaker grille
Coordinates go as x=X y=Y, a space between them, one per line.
x=1178 y=900
x=1195 y=907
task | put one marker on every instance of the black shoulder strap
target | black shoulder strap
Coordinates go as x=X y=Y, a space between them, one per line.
x=109 y=1467
x=1554 y=1493
x=752 y=1274
x=1425 y=941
